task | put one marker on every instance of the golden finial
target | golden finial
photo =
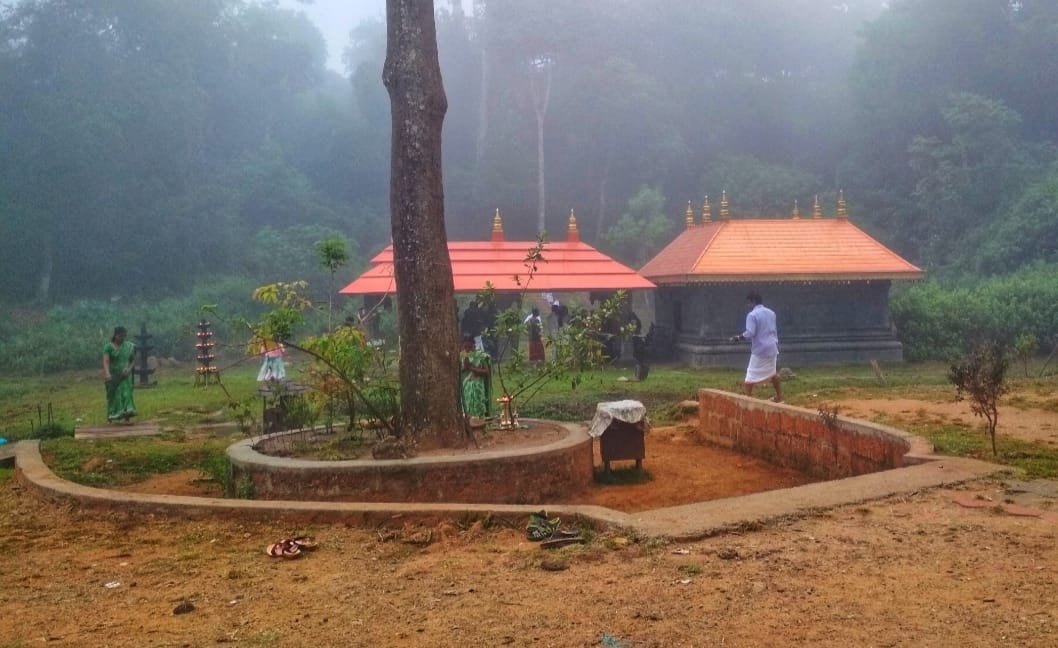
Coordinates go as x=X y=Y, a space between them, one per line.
x=497 y=226
x=817 y=211
x=707 y=211
x=571 y=231
x=842 y=211
x=796 y=210
x=724 y=213
x=690 y=216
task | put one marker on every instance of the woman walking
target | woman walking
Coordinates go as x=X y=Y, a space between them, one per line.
x=118 y=357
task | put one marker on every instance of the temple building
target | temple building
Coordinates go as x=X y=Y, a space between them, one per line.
x=827 y=281
x=567 y=266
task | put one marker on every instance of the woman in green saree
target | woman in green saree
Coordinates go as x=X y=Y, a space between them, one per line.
x=474 y=371
x=118 y=356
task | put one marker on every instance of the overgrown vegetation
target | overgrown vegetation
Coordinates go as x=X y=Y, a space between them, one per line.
x=937 y=322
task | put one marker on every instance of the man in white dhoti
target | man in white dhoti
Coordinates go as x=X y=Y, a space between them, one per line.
x=764 y=346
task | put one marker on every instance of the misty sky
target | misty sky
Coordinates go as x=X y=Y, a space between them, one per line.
x=335 y=18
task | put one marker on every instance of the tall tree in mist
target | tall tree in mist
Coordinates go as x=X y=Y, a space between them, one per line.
x=428 y=366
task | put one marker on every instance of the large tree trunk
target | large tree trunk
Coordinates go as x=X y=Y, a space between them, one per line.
x=429 y=369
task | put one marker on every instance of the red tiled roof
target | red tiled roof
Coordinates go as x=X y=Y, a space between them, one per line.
x=775 y=250
x=567 y=266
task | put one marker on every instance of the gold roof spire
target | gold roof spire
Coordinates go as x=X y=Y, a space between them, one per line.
x=724 y=213
x=796 y=210
x=572 y=234
x=707 y=211
x=497 y=226
x=843 y=212
x=817 y=211
x=689 y=216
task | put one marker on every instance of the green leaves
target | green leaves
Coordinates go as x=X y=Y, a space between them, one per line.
x=981 y=377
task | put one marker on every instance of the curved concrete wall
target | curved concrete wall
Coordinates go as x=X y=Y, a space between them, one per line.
x=549 y=473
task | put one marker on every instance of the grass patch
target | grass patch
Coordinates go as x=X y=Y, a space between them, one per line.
x=626 y=475
x=6 y=475
x=119 y=462
x=1036 y=460
x=77 y=399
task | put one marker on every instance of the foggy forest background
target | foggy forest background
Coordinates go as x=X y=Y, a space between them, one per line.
x=160 y=154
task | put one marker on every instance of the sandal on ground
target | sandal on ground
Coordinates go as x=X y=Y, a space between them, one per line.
x=284 y=549
x=305 y=543
x=540 y=526
x=556 y=542
x=565 y=533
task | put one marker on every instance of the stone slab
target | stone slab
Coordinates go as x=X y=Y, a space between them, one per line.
x=116 y=431
x=7 y=453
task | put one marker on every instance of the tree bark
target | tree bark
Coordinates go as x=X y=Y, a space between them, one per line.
x=429 y=368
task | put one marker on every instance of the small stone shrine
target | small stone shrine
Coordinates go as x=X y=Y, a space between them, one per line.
x=142 y=351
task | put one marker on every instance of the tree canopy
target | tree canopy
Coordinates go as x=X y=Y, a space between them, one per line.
x=151 y=145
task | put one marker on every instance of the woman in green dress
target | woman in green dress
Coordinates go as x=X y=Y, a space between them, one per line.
x=118 y=356
x=474 y=371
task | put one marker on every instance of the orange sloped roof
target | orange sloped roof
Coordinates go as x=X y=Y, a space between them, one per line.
x=567 y=266
x=776 y=249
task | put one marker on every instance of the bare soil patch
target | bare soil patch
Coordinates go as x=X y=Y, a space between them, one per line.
x=973 y=566
x=922 y=570
x=682 y=470
x=1025 y=423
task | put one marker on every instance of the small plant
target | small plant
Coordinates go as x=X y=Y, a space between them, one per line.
x=981 y=377
x=580 y=350
x=1026 y=346
x=245 y=488
x=217 y=467
x=49 y=428
x=829 y=415
x=245 y=418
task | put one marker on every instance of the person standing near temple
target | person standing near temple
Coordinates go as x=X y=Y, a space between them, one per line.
x=118 y=357
x=473 y=324
x=536 y=337
x=763 y=336
x=273 y=366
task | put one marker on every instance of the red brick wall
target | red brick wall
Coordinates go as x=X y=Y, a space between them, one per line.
x=530 y=476
x=798 y=438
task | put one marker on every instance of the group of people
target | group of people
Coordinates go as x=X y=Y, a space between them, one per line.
x=119 y=358
x=474 y=361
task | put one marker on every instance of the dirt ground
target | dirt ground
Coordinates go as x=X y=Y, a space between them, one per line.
x=971 y=566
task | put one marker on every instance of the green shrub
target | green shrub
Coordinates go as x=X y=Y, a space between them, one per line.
x=71 y=336
x=218 y=467
x=935 y=322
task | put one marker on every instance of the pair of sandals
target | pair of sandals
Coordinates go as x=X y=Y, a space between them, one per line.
x=546 y=530
x=291 y=547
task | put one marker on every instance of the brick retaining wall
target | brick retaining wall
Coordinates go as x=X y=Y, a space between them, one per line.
x=798 y=438
x=535 y=475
